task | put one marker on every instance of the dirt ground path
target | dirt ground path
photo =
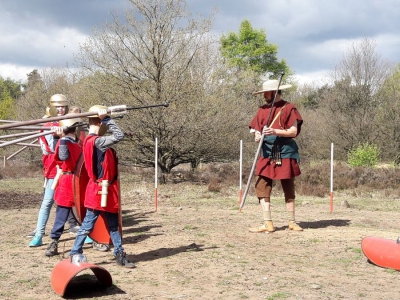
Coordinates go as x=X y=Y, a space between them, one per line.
x=202 y=250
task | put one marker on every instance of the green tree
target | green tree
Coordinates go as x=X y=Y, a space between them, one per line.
x=250 y=49
x=14 y=88
x=389 y=117
x=7 y=102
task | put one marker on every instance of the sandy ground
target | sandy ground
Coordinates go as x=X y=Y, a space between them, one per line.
x=201 y=249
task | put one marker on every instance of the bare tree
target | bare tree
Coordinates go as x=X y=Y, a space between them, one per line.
x=156 y=55
x=41 y=85
x=350 y=106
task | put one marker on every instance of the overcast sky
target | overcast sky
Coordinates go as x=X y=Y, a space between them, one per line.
x=312 y=35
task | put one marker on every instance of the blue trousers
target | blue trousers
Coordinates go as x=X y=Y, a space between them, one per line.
x=62 y=213
x=45 y=209
x=88 y=225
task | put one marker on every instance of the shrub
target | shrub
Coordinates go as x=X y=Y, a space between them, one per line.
x=214 y=185
x=365 y=155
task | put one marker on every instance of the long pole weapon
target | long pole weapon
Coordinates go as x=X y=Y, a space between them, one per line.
x=120 y=109
x=13 y=121
x=112 y=109
x=18 y=134
x=259 y=147
x=29 y=127
x=25 y=138
x=18 y=141
x=25 y=144
x=22 y=149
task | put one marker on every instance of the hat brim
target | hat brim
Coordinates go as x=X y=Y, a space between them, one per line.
x=281 y=87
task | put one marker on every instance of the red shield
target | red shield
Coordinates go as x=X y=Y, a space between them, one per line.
x=100 y=233
x=382 y=252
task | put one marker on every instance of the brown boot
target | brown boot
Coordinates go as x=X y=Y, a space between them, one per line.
x=267 y=227
x=294 y=226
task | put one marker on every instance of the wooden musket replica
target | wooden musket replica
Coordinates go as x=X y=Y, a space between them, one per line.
x=112 y=109
x=119 y=109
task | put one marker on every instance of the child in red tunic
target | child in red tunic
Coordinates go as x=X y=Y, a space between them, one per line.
x=102 y=191
x=66 y=155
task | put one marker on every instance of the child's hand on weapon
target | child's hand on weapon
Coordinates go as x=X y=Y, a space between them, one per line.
x=102 y=113
x=257 y=136
x=58 y=130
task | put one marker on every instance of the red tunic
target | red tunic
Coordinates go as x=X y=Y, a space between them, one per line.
x=49 y=166
x=110 y=173
x=289 y=167
x=64 y=193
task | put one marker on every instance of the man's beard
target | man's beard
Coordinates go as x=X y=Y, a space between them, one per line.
x=269 y=100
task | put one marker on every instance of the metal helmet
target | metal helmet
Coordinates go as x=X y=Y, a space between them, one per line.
x=58 y=100
x=69 y=122
x=47 y=115
x=95 y=109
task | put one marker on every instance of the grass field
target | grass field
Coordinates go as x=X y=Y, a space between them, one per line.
x=197 y=246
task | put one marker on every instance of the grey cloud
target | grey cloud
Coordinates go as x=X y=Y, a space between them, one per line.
x=310 y=34
x=59 y=13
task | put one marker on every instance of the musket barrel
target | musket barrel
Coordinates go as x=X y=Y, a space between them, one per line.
x=166 y=104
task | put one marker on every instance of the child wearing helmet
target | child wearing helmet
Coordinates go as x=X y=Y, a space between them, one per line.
x=58 y=107
x=102 y=191
x=66 y=156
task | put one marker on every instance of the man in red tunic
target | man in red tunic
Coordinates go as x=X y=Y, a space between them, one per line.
x=66 y=156
x=102 y=191
x=279 y=157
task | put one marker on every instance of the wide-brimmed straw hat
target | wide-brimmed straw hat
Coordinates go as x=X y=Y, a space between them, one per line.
x=272 y=85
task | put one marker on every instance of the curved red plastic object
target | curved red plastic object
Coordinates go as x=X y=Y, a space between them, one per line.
x=65 y=271
x=100 y=233
x=382 y=252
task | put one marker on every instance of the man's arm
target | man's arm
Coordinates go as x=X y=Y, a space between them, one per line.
x=290 y=132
